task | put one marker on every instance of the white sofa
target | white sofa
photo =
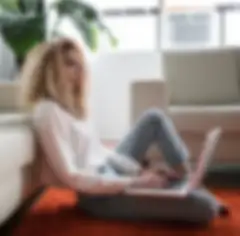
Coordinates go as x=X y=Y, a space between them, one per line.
x=17 y=151
x=199 y=90
x=16 y=157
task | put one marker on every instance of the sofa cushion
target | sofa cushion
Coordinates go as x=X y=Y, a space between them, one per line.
x=202 y=118
x=204 y=77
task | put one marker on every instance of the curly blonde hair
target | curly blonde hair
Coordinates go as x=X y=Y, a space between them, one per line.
x=43 y=77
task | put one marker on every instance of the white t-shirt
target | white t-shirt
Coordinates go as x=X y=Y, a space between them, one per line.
x=74 y=152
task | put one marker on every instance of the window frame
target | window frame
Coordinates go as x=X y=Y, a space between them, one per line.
x=135 y=11
x=222 y=9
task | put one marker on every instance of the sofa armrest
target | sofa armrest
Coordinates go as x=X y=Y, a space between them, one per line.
x=147 y=94
x=9 y=95
x=16 y=152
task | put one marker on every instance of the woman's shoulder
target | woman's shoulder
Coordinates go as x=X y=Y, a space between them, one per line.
x=45 y=109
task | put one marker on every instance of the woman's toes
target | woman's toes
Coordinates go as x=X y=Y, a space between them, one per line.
x=224 y=211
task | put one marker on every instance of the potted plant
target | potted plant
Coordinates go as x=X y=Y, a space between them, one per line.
x=23 y=23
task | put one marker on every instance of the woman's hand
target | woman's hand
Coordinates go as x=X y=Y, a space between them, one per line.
x=149 y=179
x=165 y=171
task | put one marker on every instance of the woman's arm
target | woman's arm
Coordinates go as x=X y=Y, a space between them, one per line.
x=124 y=164
x=53 y=133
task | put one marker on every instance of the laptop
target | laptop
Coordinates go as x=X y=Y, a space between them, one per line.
x=183 y=188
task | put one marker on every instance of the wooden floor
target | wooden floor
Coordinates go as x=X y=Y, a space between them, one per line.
x=55 y=214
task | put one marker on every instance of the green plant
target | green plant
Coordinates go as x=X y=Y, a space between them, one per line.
x=22 y=23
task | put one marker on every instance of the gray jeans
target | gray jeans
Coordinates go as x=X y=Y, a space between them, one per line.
x=154 y=126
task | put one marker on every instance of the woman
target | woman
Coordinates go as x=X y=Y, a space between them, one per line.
x=55 y=82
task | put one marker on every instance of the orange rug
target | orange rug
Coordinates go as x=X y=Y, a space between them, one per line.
x=54 y=215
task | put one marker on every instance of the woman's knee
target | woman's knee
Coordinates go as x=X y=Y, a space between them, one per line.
x=209 y=213
x=155 y=115
x=206 y=210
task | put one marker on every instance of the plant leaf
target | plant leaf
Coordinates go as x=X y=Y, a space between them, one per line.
x=23 y=34
x=68 y=7
x=34 y=6
x=65 y=7
x=88 y=31
x=40 y=7
x=86 y=19
x=8 y=18
x=83 y=16
x=9 y=5
x=113 y=40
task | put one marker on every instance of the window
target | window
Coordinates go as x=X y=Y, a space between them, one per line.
x=190 y=28
x=230 y=18
x=205 y=23
x=232 y=32
x=133 y=22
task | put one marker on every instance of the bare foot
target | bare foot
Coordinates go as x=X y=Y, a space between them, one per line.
x=224 y=211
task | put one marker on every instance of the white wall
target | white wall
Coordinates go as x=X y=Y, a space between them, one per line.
x=112 y=75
